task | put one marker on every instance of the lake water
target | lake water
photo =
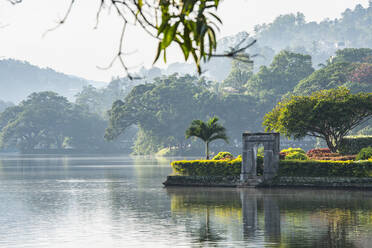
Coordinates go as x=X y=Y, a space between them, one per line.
x=71 y=201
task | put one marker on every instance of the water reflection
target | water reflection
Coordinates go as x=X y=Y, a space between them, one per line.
x=276 y=218
x=120 y=201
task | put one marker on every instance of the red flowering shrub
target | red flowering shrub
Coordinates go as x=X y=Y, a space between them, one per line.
x=336 y=158
x=362 y=74
x=326 y=154
x=318 y=152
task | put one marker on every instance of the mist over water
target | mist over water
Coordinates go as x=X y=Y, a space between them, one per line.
x=115 y=201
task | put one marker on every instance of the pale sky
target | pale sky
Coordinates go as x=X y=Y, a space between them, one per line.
x=76 y=48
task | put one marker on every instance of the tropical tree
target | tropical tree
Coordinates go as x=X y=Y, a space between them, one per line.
x=327 y=114
x=207 y=131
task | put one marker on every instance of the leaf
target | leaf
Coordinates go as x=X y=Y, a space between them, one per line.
x=169 y=35
x=158 y=53
x=185 y=50
x=216 y=17
x=163 y=25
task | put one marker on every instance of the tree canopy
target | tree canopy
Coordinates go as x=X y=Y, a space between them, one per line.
x=327 y=114
x=283 y=74
x=163 y=108
x=349 y=68
x=46 y=120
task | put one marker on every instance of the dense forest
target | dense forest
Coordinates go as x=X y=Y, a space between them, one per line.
x=162 y=109
x=150 y=115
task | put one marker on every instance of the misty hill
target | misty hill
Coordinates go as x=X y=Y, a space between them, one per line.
x=19 y=79
x=293 y=33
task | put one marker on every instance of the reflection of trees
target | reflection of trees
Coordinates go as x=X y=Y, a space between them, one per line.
x=208 y=216
x=206 y=232
x=277 y=218
x=213 y=210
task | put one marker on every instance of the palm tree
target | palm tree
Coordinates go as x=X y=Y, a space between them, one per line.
x=207 y=131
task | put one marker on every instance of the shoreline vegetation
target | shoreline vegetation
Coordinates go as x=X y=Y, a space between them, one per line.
x=316 y=168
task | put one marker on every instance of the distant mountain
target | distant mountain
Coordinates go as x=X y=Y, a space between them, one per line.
x=18 y=79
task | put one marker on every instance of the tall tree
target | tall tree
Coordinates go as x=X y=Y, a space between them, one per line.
x=38 y=121
x=327 y=114
x=160 y=110
x=48 y=121
x=207 y=131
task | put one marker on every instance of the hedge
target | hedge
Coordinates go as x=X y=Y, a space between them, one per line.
x=223 y=156
x=353 y=144
x=365 y=153
x=313 y=168
x=207 y=167
x=298 y=168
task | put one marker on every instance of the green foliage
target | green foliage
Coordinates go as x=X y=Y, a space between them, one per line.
x=163 y=108
x=365 y=153
x=353 y=55
x=353 y=144
x=223 y=156
x=160 y=110
x=294 y=153
x=207 y=167
x=296 y=156
x=327 y=114
x=329 y=77
x=333 y=76
x=100 y=100
x=191 y=25
x=49 y=121
x=39 y=120
x=260 y=163
x=312 y=168
x=292 y=150
x=286 y=70
x=239 y=74
x=350 y=68
x=207 y=131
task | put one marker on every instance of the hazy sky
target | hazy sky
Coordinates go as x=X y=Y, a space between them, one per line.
x=76 y=48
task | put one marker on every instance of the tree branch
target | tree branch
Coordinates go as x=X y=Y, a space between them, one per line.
x=63 y=20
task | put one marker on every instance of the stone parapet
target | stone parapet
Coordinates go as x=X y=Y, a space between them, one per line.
x=234 y=181
x=320 y=182
x=204 y=181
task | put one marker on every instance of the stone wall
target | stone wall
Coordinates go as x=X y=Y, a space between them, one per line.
x=325 y=182
x=316 y=182
x=206 y=181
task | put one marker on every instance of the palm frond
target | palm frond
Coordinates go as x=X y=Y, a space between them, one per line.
x=207 y=131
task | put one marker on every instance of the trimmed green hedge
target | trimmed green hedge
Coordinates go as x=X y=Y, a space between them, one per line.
x=353 y=144
x=223 y=156
x=298 y=168
x=313 y=168
x=207 y=167
x=365 y=153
